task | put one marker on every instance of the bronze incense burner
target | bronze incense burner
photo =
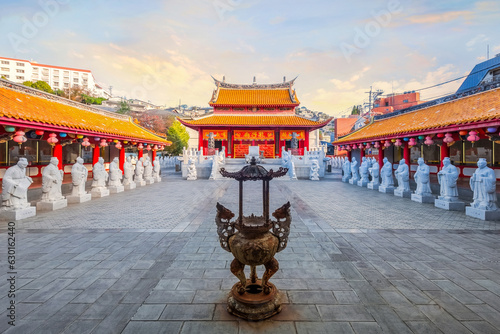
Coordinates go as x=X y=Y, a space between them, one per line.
x=254 y=241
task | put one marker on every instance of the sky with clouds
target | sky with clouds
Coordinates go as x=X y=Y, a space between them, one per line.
x=166 y=51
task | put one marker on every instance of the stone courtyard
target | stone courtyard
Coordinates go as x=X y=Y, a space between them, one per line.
x=149 y=261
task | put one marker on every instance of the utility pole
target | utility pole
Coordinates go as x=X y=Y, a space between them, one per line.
x=111 y=91
x=373 y=95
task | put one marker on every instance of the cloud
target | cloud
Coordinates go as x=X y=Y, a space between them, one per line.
x=481 y=38
x=436 y=18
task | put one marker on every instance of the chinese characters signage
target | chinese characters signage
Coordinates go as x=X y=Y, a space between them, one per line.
x=254 y=135
x=218 y=134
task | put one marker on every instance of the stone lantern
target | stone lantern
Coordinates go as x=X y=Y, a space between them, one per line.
x=254 y=241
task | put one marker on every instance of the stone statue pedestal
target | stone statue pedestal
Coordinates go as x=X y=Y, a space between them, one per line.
x=18 y=214
x=150 y=181
x=353 y=181
x=130 y=186
x=386 y=190
x=345 y=180
x=76 y=199
x=402 y=193
x=140 y=183
x=373 y=186
x=482 y=214
x=157 y=179
x=362 y=183
x=51 y=206
x=116 y=189
x=449 y=205
x=99 y=192
x=423 y=199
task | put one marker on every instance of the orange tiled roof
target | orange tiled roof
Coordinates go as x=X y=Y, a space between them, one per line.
x=20 y=106
x=344 y=126
x=253 y=120
x=475 y=108
x=254 y=97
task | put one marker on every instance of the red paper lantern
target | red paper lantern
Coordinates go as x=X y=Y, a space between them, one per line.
x=52 y=140
x=39 y=132
x=85 y=142
x=19 y=137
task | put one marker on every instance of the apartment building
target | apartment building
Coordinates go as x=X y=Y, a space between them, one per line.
x=58 y=77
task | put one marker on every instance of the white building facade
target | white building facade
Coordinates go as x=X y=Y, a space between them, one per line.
x=58 y=77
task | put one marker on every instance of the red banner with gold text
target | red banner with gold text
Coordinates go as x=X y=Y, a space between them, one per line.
x=254 y=135
x=287 y=134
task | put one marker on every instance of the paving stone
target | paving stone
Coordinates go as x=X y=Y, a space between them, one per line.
x=267 y=327
x=149 y=327
x=210 y=327
x=344 y=313
x=188 y=312
x=443 y=320
x=149 y=312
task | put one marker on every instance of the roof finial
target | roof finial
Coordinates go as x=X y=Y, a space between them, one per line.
x=254 y=80
x=284 y=79
x=224 y=79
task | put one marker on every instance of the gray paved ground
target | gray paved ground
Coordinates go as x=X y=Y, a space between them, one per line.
x=358 y=261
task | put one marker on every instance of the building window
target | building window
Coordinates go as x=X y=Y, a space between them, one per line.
x=405 y=101
x=483 y=148
x=71 y=152
x=432 y=154
x=56 y=83
x=20 y=64
x=456 y=153
x=66 y=85
x=56 y=71
x=75 y=80
x=35 y=69
x=19 y=78
x=56 y=77
x=387 y=104
x=75 y=74
x=415 y=153
x=7 y=76
x=6 y=62
x=5 y=69
x=20 y=71
x=66 y=73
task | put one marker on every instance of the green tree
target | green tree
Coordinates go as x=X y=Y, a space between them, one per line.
x=355 y=110
x=179 y=137
x=40 y=85
x=87 y=99
x=124 y=108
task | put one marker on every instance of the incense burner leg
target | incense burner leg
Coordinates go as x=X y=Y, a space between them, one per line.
x=271 y=268
x=237 y=269
x=253 y=274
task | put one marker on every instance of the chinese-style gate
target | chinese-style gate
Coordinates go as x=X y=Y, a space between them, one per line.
x=246 y=115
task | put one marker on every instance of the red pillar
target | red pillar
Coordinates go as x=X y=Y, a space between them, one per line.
x=139 y=154
x=200 y=140
x=97 y=154
x=153 y=155
x=122 y=158
x=406 y=152
x=306 y=143
x=445 y=152
x=380 y=156
x=57 y=152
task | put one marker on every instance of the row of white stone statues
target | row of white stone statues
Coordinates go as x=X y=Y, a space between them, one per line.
x=15 y=184
x=482 y=183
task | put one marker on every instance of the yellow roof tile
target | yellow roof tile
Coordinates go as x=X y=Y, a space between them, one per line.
x=475 y=108
x=254 y=97
x=17 y=105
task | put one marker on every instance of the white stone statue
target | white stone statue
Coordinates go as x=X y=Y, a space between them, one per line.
x=375 y=174
x=128 y=171
x=156 y=169
x=422 y=177
x=192 y=175
x=100 y=174
x=314 y=173
x=347 y=170
x=15 y=186
x=139 y=170
x=354 y=171
x=447 y=178
x=115 y=173
x=215 y=168
x=386 y=174
x=79 y=175
x=484 y=183
x=52 y=178
x=363 y=170
x=403 y=176
x=148 y=171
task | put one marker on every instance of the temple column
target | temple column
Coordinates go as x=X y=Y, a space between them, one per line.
x=139 y=154
x=200 y=140
x=57 y=153
x=153 y=155
x=122 y=158
x=96 y=154
x=445 y=152
x=380 y=156
x=306 y=143
x=406 y=152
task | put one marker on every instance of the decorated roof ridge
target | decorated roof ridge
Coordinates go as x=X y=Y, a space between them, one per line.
x=250 y=116
x=223 y=84
x=59 y=99
x=467 y=112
